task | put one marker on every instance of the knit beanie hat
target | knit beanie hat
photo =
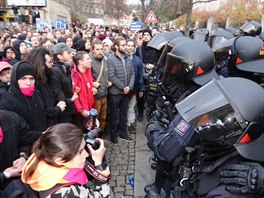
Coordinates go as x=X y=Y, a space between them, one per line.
x=148 y=31
x=23 y=69
x=108 y=41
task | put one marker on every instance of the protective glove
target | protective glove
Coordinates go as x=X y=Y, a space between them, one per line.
x=160 y=116
x=243 y=178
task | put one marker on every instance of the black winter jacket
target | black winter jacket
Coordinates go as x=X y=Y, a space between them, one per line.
x=3 y=88
x=31 y=108
x=16 y=138
x=62 y=81
x=49 y=99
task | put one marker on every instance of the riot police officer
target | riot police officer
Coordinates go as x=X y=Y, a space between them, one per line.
x=246 y=56
x=189 y=65
x=251 y=28
x=229 y=121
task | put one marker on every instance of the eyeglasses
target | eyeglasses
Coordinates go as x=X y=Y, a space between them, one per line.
x=8 y=52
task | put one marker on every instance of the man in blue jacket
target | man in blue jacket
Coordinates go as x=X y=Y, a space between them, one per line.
x=138 y=89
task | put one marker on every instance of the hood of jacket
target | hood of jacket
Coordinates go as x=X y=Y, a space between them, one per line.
x=45 y=175
x=5 y=50
x=16 y=45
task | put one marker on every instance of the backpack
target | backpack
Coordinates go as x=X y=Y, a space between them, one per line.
x=17 y=189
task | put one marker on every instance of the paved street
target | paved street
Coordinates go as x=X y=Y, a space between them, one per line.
x=130 y=158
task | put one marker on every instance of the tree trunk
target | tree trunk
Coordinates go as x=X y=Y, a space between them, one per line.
x=188 y=20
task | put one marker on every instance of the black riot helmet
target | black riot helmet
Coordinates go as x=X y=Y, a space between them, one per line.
x=217 y=37
x=230 y=111
x=200 y=34
x=246 y=54
x=161 y=39
x=234 y=31
x=261 y=36
x=190 y=60
x=168 y=47
x=251 y=28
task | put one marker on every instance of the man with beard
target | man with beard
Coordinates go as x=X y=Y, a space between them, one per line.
x=149 y=57
x=122 y=76
x=100 y=76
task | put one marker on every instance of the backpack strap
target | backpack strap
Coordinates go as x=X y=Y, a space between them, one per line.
x=101 y=71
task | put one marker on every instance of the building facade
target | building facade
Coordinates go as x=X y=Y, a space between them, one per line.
x=57 y=9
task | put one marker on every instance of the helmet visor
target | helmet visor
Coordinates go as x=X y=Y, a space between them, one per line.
x=217 y=41
x=158 y=42
x=248 y=27
x=217 y=123
x=214 y=118
x=163 y=56
x=176 y=68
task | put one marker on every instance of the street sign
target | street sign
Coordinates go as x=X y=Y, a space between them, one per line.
x=151 y=18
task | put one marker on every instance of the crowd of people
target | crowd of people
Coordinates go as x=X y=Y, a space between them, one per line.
x=50 y=83
x=198 y=118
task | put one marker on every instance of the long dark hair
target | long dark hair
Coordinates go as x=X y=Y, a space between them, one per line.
x=61 y=140
x=37 y=58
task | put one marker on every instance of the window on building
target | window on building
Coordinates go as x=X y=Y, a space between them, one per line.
x=96 y=10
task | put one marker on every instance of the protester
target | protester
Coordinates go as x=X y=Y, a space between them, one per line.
x=15 y=142
x=83 y=80
x=58 y=166
x=122 y=76
x=5 y=74
x=63 y=59
x=100 y=74
x=138 y=89
x=41 y=60
x=20 y=49
x=8 y=54
x=22 y=97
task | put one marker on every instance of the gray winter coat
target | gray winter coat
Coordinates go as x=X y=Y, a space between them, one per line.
x=120 y=76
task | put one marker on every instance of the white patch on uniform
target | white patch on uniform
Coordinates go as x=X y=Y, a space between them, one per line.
x=182 y=127
x=88 y=85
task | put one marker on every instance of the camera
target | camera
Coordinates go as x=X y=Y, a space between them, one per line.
x=90 y=138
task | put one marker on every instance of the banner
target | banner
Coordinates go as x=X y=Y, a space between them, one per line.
x=41 y=24
x=60 y=24
x=26 y=2
x=135 y=26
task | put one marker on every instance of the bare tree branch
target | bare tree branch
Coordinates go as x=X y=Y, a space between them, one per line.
x=170 y=3
x=201 y=1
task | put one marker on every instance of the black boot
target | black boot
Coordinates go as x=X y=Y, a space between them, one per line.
x=151 y=188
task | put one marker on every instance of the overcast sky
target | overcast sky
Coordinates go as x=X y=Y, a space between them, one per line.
x=132 y=1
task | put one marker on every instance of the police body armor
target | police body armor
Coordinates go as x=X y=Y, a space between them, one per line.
x=229 y=127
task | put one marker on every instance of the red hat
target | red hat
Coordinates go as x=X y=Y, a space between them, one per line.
x=4 y=65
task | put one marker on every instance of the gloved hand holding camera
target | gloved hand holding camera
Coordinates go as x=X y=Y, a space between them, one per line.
x=243 y=178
